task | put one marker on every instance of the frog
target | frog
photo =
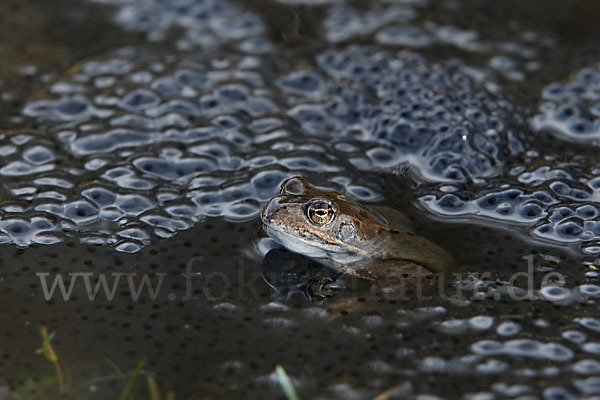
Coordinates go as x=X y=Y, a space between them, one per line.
x=364 y=241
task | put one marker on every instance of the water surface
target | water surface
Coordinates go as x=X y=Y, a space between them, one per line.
x=145 y=136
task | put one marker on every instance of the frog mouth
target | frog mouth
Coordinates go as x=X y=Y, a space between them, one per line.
x=305 y=246
x=331 y=254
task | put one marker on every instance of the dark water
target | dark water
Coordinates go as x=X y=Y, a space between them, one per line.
x=145 y=136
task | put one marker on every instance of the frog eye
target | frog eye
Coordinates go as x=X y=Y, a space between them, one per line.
x=321 y=212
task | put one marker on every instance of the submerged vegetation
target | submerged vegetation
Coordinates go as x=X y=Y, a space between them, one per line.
x=58 y=386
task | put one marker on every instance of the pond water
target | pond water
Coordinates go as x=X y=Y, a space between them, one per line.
x=140 y=140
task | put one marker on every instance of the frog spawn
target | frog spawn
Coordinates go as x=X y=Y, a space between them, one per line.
x=556 y=206
x=414 y=116
x=196 y=119
x=206 y=23
x=417 y=121
x=164 y=192
x=161 y=107
x=401 y=26
x=571 y=110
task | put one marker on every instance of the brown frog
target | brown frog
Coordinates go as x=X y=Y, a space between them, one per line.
x=363 y=241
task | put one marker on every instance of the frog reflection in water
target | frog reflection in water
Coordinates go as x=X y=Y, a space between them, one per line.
x=367 y=242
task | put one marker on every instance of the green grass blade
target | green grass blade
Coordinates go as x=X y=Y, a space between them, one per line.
x=129 y=387
x=286 y=383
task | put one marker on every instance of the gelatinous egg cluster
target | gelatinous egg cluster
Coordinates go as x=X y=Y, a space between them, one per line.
x=393 y=109
x=143 y=146
x=149 y=145
x=571 y=110
x=401 y=26
x=205 y=23
x=23 y=232
x=524 y=348
x=552 y=202
x=345 y=22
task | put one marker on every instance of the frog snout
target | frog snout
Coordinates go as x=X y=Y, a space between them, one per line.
x=270 y=211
